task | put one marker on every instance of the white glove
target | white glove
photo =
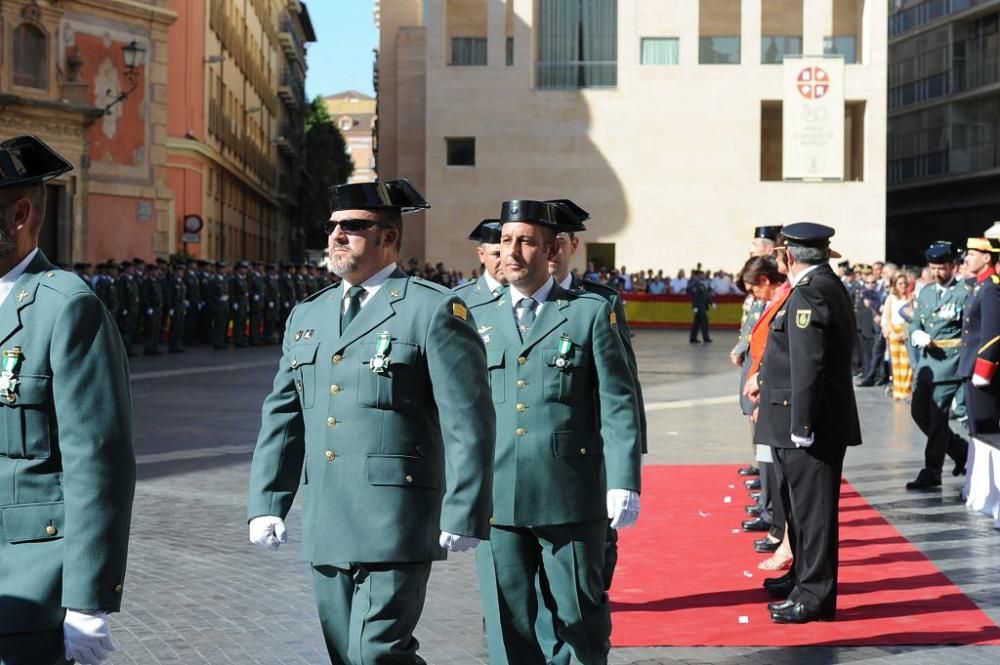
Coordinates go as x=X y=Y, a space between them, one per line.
x=268 y=531
x=124 y=312
x=920 y=338
x=623 y=508
x=87 y=636
x=803 y=441
x=453 y=543
x=979 y=381
x=149 y=312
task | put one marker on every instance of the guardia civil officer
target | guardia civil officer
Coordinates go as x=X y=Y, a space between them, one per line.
x=568 y=445
x=272 y=297
x=809 y=417
x=487 y=238
x=128 y=299
x=258 y=302
x=152 y=302
x=239 y=300
x=980 y=332
x=175 y=304
x=67 y=477
x=193 y=302
x=936 y=330
x=217 y=299
x=381 y=406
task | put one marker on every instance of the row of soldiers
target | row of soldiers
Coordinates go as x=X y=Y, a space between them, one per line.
x=201 y=302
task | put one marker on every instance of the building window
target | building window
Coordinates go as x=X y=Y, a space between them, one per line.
x=31 y=62
x=660 y=51
x=468 y=51
x=461 y=151
x=773 y=49
x=510 y=51
x=770 y=140
x=346 y=124
x=845 y=45
x=781 y=30
x=577 y=44
x=719 y=32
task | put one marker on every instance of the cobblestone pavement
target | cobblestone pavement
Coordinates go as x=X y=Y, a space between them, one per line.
x=198 y=593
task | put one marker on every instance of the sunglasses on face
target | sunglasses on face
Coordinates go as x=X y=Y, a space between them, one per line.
x=349 y=226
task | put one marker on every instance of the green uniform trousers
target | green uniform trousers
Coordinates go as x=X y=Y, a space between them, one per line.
x=558 y=568
x=33 y=649
x=369 y=612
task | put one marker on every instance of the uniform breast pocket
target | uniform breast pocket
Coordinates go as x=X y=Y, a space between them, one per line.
x=393 y=386
x=26 y=417
x=569 y=376
x=303 y=366
x=495 y=363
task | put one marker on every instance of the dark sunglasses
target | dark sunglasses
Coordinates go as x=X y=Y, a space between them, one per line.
x=349 y=225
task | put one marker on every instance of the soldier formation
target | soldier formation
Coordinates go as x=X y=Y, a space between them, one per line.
x=194 y=301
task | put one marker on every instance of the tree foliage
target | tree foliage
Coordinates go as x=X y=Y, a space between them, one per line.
x=327 y=164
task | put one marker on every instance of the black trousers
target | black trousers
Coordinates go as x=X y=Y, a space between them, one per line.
x=812 y=478
x=33 y=649
x=875 y=372
x=929 y=408
x=700 y=324
x=770 y=499
x=151 y=328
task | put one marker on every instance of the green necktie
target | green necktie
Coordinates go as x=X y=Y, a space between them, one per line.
x=525 y=316
x=354 y=295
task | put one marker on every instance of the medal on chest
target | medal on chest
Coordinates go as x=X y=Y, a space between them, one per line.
x=562 y=361
x=380 y=363
x=8 y=374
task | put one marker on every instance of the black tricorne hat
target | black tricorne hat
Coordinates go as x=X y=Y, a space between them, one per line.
x=559 y=215
x=397 y=194
x=767 y=232
x=487 y=232
x=27 y=160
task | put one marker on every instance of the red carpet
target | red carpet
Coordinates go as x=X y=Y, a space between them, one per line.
x=685 y=579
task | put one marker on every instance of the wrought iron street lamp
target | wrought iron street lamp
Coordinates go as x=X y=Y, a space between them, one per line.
x=133 y=56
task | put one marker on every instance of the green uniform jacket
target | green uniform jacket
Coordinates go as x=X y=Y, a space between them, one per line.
x=387 y=460
x=67 y=466
x=564 y=434
x=475 y=293
x=941 y=317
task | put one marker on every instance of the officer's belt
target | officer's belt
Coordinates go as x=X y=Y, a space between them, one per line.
x=948 y=343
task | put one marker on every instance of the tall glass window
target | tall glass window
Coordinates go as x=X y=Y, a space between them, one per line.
x=781 y=30
x=719 y=32
x=468 y=51
x=31 y=62
x=577 y=44
x=660 y=51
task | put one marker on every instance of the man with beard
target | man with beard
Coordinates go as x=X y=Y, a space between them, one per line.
x=568 y=448
x=363 y=410
x=936 y=330
x=487 y=236
x=68 y=477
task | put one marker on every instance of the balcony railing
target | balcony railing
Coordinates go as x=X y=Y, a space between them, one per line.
x=926 y=12
x=977 y=69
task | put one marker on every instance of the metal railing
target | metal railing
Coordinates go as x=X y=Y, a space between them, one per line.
x=977 y=69
x=928 y=11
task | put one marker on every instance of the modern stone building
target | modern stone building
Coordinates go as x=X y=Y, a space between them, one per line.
x=944 y=122
x=64 y=70
x=236 y=126
x=663 y=118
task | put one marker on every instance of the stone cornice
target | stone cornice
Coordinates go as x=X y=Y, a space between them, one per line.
x=133 y=9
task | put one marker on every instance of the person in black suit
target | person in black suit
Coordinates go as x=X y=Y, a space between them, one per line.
x=809 y=416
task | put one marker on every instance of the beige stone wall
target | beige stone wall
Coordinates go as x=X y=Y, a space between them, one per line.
x=668 y=162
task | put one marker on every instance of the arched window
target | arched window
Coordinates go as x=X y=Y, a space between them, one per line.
x=31 y=57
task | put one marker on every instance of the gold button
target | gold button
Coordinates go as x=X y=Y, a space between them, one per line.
x=521 y=383
x=118 y=588
x=295 y=363
x=492 y=520
x=330 y=456
x=784 y=403
x=521 y=408
x=335 y=389
x=521 y=360
x=409 y=478
x=520 y=431
x=583 y=451
x=51 y=530
x=337 y=358
x=331 y=422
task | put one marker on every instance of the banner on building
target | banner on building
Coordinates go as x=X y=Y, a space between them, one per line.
x=813 y=118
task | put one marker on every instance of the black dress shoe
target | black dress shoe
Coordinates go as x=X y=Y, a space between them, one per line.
x=753 y=484
x=798 y=613
x=749 y=471
x=925 y=480
x=754 y=509
x=865 y=384
x=959 y=469
x=778 y=605
x=766 y=546
x=757 y=524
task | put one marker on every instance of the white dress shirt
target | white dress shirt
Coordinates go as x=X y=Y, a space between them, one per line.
x=7 y=281
x=371 y=286
x=798 y=278
x=491 y=283
x=540 y=296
